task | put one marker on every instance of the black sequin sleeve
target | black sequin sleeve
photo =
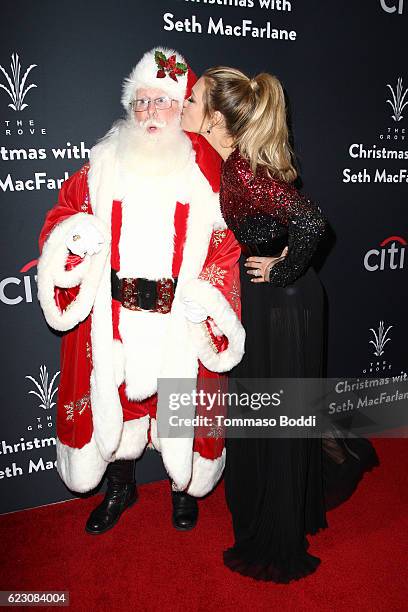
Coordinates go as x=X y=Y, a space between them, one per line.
x=261 y=209
x=306 y=227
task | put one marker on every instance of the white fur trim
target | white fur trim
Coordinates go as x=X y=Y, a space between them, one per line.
x=144 y=75
x=206 y=474
x=143 y=336
x=177 y=455
x=147 y=237
x=81 y=469
x=106 y=407
x=134 y=438
x=225 y=318
x=190 y=471
x=52 y=273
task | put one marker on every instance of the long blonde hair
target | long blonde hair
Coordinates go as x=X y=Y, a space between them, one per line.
x=255 y=117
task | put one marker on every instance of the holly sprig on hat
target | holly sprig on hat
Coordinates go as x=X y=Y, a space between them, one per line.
x=168 y=66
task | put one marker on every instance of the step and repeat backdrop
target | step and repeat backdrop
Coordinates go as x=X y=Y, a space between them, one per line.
x=344 y=69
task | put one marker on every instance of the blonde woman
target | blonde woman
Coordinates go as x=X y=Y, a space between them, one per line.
x=274 y=487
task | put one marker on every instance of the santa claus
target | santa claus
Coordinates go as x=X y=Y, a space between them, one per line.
x=139 y=270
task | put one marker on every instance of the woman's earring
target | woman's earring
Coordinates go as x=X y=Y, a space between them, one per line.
x=209 y=128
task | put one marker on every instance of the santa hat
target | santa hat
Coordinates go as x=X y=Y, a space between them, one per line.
x=161 y=68
x=166 y=69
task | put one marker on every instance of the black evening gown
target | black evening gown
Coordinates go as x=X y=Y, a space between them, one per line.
x=278 y=489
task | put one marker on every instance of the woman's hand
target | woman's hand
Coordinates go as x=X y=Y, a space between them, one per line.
x=260 y=267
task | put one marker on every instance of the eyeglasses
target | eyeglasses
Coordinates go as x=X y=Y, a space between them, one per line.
x=142 y=104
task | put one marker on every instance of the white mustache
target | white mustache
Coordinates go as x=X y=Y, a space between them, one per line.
x=152 y=122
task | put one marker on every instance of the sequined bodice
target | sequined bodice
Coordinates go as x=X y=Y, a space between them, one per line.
x=267 y=214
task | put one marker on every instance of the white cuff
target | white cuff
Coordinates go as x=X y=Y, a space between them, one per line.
x=225 y=318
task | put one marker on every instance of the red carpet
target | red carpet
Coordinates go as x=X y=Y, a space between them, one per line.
x=144 y=564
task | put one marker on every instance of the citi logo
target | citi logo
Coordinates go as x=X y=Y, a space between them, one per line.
x=14 y=290
x=390 y=255
x=392 y=6
x=17 y=85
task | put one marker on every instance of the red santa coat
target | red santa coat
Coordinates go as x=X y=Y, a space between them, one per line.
x=107 y=400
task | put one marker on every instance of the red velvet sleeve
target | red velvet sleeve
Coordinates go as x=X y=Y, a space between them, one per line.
x=222 y=271
x=73 y=198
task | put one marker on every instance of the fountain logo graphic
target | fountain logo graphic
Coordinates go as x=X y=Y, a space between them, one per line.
x=398 y=102
x=378 y=365
x=17 y=87
x=45 y=390
x=380 y=338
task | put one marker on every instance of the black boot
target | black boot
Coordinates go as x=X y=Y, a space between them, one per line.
x=121 y=493
x=185 y=510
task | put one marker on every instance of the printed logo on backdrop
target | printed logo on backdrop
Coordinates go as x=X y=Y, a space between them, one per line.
x=33 y=450
x=398 y=102
x=389 y=255
x=15 y=290
x=397 y=99
x=44 y=390
x=17 y=85
x=379 y=339
x=392 y=6
x=388 y=155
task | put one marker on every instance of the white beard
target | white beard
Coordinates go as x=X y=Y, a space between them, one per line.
x=158 y=154
x=153 y=175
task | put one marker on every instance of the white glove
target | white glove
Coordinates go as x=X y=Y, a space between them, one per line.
x=194 y=312
x=84 y=238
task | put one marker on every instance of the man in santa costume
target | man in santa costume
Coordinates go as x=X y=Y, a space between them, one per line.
x=139 y=270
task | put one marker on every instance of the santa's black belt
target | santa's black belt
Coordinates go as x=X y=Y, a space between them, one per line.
x=144 y=294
